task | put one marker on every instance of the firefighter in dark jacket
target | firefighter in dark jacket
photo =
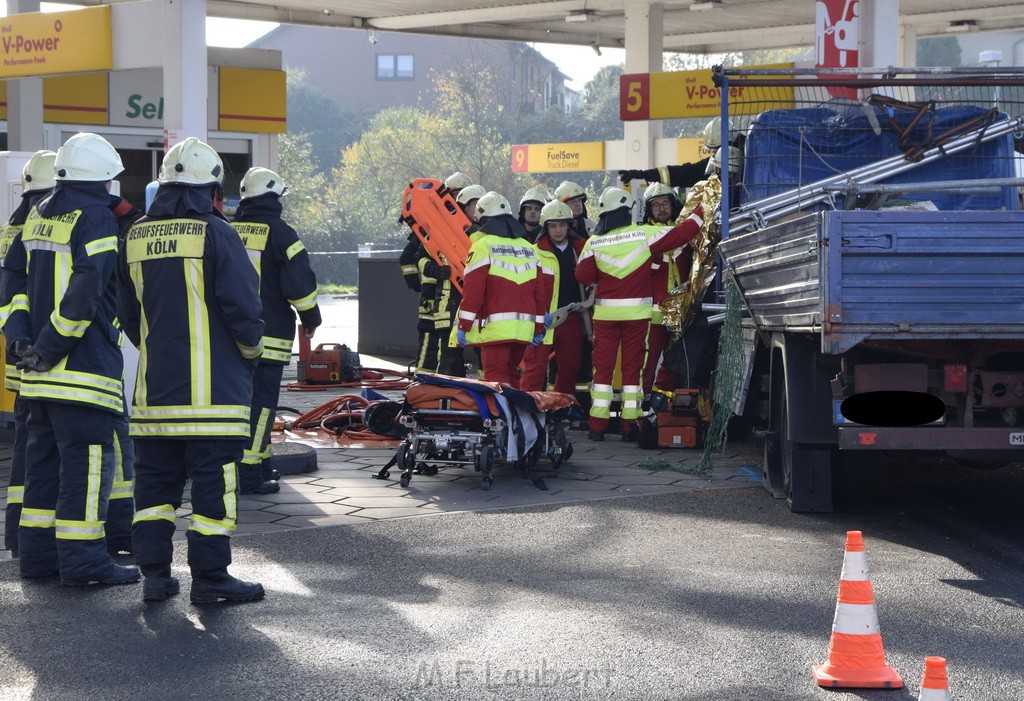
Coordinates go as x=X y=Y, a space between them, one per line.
x=189 y=299
x=36 y=183
x=286 y=281
x=60 y=280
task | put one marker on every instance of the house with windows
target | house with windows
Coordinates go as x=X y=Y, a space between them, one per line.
x=365 y=70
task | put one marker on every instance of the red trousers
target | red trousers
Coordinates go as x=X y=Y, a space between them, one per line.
x=658 y=341
x=568 y=349
x=500 y=362
x=611 y=337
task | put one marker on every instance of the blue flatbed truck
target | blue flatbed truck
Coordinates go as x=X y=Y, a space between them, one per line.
x=847 y=302
x=918 y=299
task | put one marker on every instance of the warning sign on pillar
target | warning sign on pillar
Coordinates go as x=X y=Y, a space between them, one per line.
x=171 y=137
x=836 y=35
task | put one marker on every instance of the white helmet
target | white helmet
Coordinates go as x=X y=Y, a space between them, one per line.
x=538 y=194
x=614 y=198
x=492 y=204
x=87 y=157
x=191 y=162
x=457 y=181
x=259 y=181
x=657 y=190
x=555 y=211
x=713 y=133
x=470 y=193
x=715 y=163
x=38 y=172
x=568 y=190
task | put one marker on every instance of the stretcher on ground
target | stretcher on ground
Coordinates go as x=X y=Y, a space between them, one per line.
x=456 y=421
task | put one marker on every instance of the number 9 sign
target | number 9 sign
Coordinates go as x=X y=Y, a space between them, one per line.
x=634 y=96
x=520 y=159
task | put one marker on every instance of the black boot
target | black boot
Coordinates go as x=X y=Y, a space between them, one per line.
x=269 y=473
x=596 y=435
x=251 y=481
x=212 y=586
x=111 y=574
x=158 y=583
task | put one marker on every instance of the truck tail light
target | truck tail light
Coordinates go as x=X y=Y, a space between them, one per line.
x=954 y=378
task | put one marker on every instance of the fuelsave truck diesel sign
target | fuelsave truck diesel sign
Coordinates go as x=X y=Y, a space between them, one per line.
x=51 y=43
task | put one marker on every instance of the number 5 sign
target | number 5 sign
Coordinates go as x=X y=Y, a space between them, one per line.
x=635 y=96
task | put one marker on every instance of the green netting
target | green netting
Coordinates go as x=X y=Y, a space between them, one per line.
x=728 y=376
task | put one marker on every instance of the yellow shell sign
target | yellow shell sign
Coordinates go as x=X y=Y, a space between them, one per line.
x=51 y=43
x=555 y=158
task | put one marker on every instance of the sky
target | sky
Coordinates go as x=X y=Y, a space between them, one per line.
x=580 y=63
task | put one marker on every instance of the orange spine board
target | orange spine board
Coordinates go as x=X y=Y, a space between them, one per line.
x=439 y=223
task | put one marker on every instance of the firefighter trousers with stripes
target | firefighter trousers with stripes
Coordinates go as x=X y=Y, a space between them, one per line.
x=266 y=390
x=162 y=466
x=16 y=487
x=69 y=468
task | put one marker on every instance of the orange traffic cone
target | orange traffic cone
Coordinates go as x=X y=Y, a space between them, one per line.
x=935 y=684
x=856 y=658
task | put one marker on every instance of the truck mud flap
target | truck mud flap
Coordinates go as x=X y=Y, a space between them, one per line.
x=439 y=223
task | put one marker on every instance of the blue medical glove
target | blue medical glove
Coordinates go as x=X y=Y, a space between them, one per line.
x=537 y=340
x=548 y=319
x=460 y=338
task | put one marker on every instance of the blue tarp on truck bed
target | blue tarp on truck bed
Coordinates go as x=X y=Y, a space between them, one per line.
x=785 y=148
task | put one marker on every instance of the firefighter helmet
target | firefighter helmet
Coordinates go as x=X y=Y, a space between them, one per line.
x=38 y=172
x=192 y=162
x=555 y=211
x=259 y=181
x=538 y=194
x=569 y=190
x=492 y=204
x=657 y=190
x=470 y=193
x=713 y=133
x=614 y=198
x=457 y=181
x=87 y=157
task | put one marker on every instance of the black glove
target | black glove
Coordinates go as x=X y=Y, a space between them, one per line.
x=31 y=360
x=628 y=176
x=19 y=347
x=444 y=272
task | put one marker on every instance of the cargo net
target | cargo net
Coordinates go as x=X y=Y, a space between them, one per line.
x=933 y=139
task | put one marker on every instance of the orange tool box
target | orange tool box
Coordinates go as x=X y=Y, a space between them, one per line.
x=439 y=223
x=684 y=425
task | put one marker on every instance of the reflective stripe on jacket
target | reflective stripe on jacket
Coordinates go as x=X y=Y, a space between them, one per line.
x=60 y=274
x=502 y=298
x=189 y=299
x=619 y=263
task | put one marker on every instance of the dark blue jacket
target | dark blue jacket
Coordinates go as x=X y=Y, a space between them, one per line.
x=62 y=297
x=188 y=298
x=286 y=278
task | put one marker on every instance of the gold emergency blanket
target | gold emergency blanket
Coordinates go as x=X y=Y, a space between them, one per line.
x=681 y=305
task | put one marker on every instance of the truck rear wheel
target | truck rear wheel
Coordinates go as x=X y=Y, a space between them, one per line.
x=806 y=472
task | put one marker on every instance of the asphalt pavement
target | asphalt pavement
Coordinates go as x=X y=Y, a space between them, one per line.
x=710 y=590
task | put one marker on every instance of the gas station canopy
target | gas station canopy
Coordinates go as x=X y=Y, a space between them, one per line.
x=697 y=26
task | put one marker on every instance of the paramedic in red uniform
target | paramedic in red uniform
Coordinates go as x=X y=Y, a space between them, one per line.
x=556 y=218
x=617 y=259
x=503 y=304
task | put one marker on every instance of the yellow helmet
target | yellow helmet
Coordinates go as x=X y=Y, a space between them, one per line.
x=87 y=157
x=492 y=204
x=470 y=193
x=191 y=162
x=614 y=198
x=259 y=181
x=555 y=211
x=568 y=190
x=38 y=172
x=457 y=181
